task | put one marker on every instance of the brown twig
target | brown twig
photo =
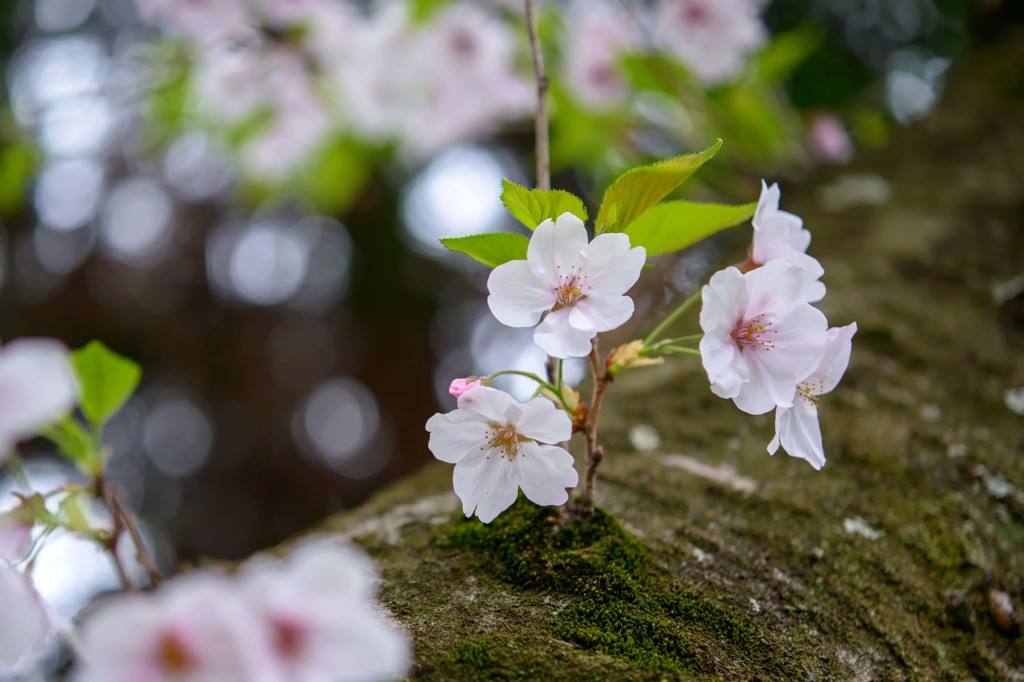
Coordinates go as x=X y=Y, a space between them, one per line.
x=113 y=539
x=124 y=520
x=595 y=453
x=541 y=120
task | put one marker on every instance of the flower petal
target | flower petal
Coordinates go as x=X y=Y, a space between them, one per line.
x=545 y=471
x=37 y=386
x=540 y=420
x=799 y=343
x=726 y=367
x=812 y=290
x=486 y=402
x=559 y=339
x=723 y=300
x=23 y=621
x=557 y=243
x=774 y=288
x=798 y=431
x=764 y=390
x=601 y=313
x=455 y=434
x=610 y=265
x=518 y=296
x=835 y=360
x=487 y=483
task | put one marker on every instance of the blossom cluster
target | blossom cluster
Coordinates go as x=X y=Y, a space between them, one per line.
x=309 y=617
x=303 y=73
x=315 y=70
x=765 y=346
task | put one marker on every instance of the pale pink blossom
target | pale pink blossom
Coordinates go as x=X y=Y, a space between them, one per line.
x=580 y=286
x=498 y=446
x=829 y=139
x=597 y=35
x=194 y=628
x=796 y=428
x=460 y=386
x=37 y=387
x=780 y=235
x=24 y=623
x=761 y=337
x=319 y=621
x=712 y=38
x=205 y=21
x=15 y=538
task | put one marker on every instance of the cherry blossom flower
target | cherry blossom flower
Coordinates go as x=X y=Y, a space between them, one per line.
x=37 y=386
x=796 y=428
x=460 y=386
x=761 y=338
x=712 y=38
x=597 y=35
x=316 y=609
x=194 y=628
x=499 y=445
x=781 y=235
x=24 y=623
x=580 y=286
x=830 y=140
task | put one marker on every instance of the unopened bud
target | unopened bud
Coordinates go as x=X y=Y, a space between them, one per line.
x=627 y=356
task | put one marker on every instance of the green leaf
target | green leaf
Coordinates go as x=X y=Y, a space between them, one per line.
x=533 y=206
x=71 y=439
x=491 y=248
x=787 y=51
x=106 y=379
x=674 y=225
x=638 y=189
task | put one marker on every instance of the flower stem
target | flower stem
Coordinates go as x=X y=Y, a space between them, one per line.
x=541 y=120
x=595 y=453
x=530 y=375
x=124 y=521
x=672 y=317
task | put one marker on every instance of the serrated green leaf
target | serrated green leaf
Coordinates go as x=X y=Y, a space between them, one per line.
x=639 y=188
x=531 y=207
x=491 y=248
x=106 y=379
x=675 y=225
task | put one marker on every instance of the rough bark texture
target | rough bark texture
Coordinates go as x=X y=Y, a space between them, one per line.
x=714 y=560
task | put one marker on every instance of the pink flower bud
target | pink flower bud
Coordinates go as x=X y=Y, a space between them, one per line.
x=460 y=386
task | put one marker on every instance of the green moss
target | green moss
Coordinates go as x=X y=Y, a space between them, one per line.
x=618 y=602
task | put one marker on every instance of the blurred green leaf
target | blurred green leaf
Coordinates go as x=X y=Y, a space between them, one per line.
x=71 y=439
x=656 y=72
x=106 y=380
x=422 y=10
x=491 y=248
x=72 y=516
x=533 y=206
x=787 y=51
x=17 y=168
x=639 y=188
x=675 y=225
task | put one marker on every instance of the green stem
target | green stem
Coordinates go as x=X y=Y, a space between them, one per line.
x=17 y=469
x=676 y=350
x=560 y=382
x=530 y=375
x=672 y=317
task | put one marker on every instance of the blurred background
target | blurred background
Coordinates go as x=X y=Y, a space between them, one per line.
x=246 y=196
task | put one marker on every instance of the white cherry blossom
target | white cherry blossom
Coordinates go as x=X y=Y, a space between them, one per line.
x=318 y=617
x=761 y=338
x=781 y=235
x=498 y=446
x=194 y=628
x=796 y=428
x=37 y=386
x=712 y=38
x=597 y=34
x=580 y=286
x=24 y=623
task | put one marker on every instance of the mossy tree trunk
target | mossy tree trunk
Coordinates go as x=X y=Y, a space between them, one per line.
x=713 y=560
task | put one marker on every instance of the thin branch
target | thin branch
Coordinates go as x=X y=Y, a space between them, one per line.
x=541 y=120
x=595 y=453
x=124 y=520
